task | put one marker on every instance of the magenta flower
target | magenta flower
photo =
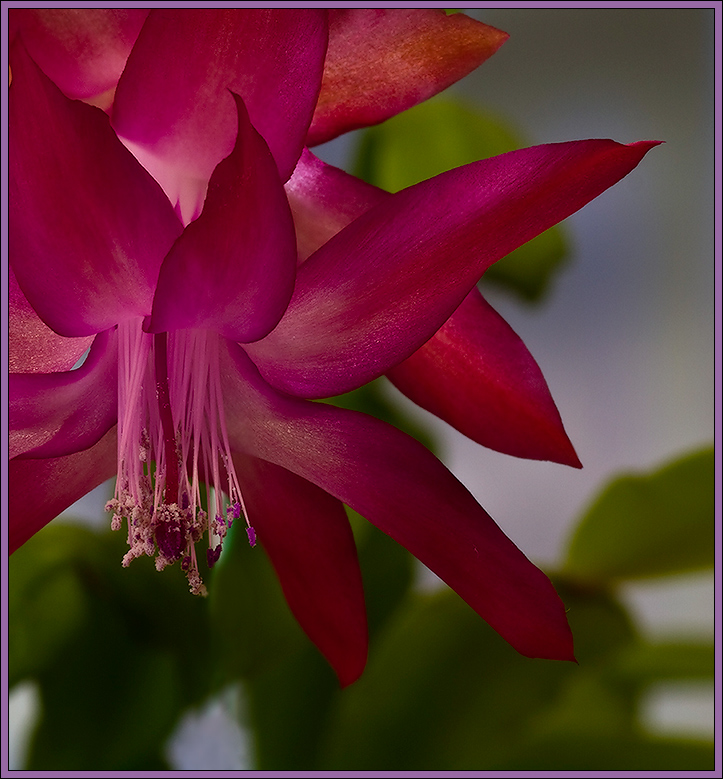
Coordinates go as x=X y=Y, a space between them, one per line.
x=222 y=294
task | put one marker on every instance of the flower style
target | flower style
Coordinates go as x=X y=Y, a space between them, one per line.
x=245 y=279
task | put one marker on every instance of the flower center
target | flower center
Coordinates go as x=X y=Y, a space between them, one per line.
x=171 y=438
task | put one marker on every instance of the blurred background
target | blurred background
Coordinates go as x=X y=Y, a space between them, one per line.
x=625 y=335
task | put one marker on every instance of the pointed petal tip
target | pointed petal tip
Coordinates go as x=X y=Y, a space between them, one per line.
x=569 y=457
x=351 y=673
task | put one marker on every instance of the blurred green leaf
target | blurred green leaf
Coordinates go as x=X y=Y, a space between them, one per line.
x=388 y=571
x=648 y=525
x=441 y=134
x=47 y=604
x=574 y=752
x=441 y=692
x=645 y=663
x=116 y=662
x=601 y=626
x=253 y=628
x=289 y=705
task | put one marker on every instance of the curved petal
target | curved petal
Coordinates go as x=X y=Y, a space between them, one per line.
x=324 y=199
x=233 y=268
x=477 y=375
x=55 y=414
x=398 y=485
x=88 y=226
x=307 y=535
x=381 y=62
x=32 y=346
x=173 y=97
x=381 y=287
x=38 y=490
x=82 y=50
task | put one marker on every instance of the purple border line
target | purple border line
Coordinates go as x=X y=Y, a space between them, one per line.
x=718 y=292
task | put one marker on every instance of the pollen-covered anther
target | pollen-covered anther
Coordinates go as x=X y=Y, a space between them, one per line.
x=171 y=429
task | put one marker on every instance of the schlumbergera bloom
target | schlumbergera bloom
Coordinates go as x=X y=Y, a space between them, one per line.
x=224 y=280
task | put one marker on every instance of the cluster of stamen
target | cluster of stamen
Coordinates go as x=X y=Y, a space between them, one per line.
x=171 y=433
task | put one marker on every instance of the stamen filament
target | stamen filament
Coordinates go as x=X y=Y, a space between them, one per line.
x=171 y=434
x=164 y=408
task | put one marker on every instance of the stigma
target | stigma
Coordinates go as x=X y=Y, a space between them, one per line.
x=176 y=487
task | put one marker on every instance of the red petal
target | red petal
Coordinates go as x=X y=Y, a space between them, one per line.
x=398 y=485
x=233 y=268
x=381 y=62
x=32 y=346
x=173 y=97
x=82 y=50
x=476 y=374
x=55 y=414
x=380 y=288
x=40 y=489
x=307 y=535
x=88 y=226
x=323 y=200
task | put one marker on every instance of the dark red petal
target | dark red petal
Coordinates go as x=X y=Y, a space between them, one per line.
x=233 y=268
x=380 y=288
x=398 y=485
x=324 y=199
x=381 y=62
x=32 y=346
x=173 y=97
x=307 y=536
x=40 y=489
x=476 y=374
x=82 y=50
x=88 y=226
x=55 y=414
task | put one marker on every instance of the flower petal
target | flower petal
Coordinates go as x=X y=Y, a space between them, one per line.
x=40 y=489
x=398 y=485
x=477 y=375
x=381 y=287
x=233 y=268
x=324 y=199
x=88 y=226
x=54 y=414
x=173 y=97
x=32 y=346
x=307 y=535
x=82 y=50
x=381 y=62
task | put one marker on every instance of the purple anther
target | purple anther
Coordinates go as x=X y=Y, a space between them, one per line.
x=251 y=533
x=170 y=539
x=236 y=510
x=184 y=501
x=186 y=563
x=212 y=556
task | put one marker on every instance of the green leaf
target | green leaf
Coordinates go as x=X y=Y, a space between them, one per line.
x=601 y=626
x=646 y=663
x=47 y=605
x=253 y=627
x=442 y=691
x=116 y=662
x=289 y=705
x=441 y=134
x=574 y=752
x=652 y=524
x=387 y=572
